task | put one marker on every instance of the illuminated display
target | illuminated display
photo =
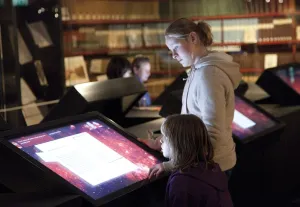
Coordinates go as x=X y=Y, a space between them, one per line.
x=248 y=120
x=90 y=155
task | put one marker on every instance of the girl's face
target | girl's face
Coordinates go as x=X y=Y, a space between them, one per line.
x=165 y=147
x=182 y=50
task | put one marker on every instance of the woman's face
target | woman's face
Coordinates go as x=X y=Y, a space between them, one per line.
x=181 y=50
x=165 y=147
x=143 y=72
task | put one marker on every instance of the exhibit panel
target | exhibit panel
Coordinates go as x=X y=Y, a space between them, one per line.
x=113 y=98
x=251 y=122
x=88 y=153
x=282 y=83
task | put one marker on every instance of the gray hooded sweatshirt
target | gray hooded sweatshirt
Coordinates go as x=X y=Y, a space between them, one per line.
x=209 y=94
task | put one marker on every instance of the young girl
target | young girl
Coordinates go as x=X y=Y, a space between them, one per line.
x=209 y=89
x=196 y=179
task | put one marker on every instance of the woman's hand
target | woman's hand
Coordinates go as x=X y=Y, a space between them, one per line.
x=156 y=171
x=151 y=142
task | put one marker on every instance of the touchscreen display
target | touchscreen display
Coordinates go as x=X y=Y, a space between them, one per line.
x=290 y=76
x=248 y=120
x=90 y=155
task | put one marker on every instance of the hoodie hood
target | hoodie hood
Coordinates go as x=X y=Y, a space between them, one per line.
x=213 y=177
x=225 y=63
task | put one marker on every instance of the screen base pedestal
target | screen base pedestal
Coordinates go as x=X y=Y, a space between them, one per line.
x=40 y=199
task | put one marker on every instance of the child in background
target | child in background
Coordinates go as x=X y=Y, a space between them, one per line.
x=118 y=67
x=142 y=69
x=196 y=179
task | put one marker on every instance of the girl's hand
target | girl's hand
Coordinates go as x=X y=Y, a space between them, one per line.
x=151 y=142
x=156 y=171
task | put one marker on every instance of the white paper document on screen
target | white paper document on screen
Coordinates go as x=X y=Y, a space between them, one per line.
x=242 y=121
x=86 y=157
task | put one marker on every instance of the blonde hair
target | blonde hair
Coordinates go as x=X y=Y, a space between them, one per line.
x=182 y=27
x=189 y=141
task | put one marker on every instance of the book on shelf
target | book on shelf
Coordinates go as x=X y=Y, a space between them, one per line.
x=117 y=36
x=89 y=40
x=257 y=62
x=109 y=10
x=96 y=66
x=253 y=30
x=120 y=36
x=240 y=30
x=102 y=37
x=207 y=8
x=134 y=35
x=75 y=70
x=283 y=29
x=65 y=13
x=298 y=32
x=151 y=35
x=216 y=29
x=270 y=61
x=229 y=48
x=269 y=6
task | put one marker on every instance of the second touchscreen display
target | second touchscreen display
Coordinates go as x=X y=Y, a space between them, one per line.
x=248 y=120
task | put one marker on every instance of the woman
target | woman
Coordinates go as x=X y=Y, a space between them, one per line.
x=209 y=89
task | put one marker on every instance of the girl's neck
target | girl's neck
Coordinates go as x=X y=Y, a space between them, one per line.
x=199 y=56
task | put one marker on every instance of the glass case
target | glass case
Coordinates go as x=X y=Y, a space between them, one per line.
x=10 y=69
x=31 y=64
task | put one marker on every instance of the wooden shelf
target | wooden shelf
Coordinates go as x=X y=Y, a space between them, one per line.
x=110 y=50
x=141 y=21
x=114 y=21
x=243 y=16
x=251 y=70
x=86 y=53
x=165 y=72
x=134 y=0
x=126 y=50
x=259 y=43
x=279 y=42
x=178 y=71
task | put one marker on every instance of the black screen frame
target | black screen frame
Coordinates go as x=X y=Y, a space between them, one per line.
x=110 y=96
x=12 y=134
x=285 y=67
x=279 y=125
x=280 y=92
